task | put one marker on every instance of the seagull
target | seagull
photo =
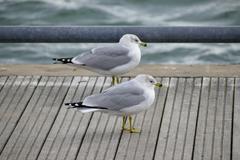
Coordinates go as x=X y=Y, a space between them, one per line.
x=124 y=99
x=111 y=60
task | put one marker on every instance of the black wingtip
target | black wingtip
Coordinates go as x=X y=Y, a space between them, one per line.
x=74 y=105
x=63 y=60
x=80 y=105
x=69 y=105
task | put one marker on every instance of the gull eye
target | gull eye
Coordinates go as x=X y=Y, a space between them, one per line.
x=136 y=40
x=151 y=81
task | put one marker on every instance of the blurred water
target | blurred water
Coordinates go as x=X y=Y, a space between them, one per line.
x=133 y=12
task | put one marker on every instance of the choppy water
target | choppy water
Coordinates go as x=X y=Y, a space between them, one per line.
x=133 y=12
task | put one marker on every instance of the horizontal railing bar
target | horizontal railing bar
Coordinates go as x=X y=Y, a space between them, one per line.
x=108 y=34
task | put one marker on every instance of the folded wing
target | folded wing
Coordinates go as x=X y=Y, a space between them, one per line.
x=104 y=58
x=117 y=98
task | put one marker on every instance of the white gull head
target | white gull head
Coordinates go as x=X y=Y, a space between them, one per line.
x=147 y=81
x=129 y=40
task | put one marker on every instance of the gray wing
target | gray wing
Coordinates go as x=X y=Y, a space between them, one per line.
x=104 y=58
x=117 y=98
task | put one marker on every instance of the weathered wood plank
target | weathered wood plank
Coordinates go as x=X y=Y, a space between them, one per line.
x=5 y=89
x=10 y=96
x=189 y=120
x=17 y=107
x=175 y=118
x=51 y=117
x=108 y=133
x=109 y=142
x=192 y=121
x=94 y=133
x=211 y=112
x=166 y=120
x=219 y=120
x=97 y=82
x=37 y=119
x=14 y=109
x=202 y=118
x=35 y=114
x=183 y=120
x=116 y=137
x=3 y=79
x=100 y=130
x=151 y=142
x=110 y=153
x=227 y=120
x=124 y=142
x=111 y=139
x=236 y=121
x=96 y=140
x=20 y=99
x=78 y=126
x=134 y=138
x=93 y=125
x=128 y=140
x=19 y=131
x=13 y=98
x=62 y=119
x=41 y=119
x=139 y=144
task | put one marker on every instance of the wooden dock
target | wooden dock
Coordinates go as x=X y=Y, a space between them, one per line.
x=193 y=117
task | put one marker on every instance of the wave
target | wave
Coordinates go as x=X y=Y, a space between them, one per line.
x=87 y=12
x=107 y=12
x=192 y=53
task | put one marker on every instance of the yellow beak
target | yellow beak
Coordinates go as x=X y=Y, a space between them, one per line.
x=159 y=85
x=143 y=44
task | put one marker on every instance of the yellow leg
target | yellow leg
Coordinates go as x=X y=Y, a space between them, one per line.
x=124 y=122
x=117 y=80
x=113 y=80
x=131 y=129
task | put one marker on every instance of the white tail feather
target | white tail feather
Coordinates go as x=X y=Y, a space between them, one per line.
x=86 y=110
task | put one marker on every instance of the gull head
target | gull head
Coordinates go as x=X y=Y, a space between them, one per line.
x=148 y=81
x=131 y=39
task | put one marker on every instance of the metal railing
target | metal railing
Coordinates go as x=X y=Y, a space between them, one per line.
x=106 y=34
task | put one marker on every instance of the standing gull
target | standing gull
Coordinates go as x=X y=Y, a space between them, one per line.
x=124 y=99
x=111 y=60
